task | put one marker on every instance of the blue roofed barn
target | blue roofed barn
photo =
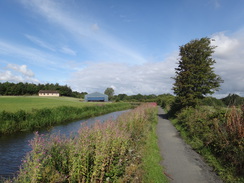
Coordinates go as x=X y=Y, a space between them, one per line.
x=96 y=97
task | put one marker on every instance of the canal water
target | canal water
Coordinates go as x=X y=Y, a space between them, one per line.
x=14 y=147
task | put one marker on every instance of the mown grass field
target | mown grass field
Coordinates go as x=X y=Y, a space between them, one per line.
x=28 y=103
x=33 y=113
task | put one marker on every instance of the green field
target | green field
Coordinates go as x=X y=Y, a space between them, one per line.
x=32 y=113
x=28 y=103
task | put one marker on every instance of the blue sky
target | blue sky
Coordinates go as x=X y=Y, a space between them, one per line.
x=132 y=46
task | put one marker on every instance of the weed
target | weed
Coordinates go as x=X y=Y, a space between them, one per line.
x=217 y=135
x=114 y=151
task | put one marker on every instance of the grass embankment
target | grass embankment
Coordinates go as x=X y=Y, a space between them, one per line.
x=218 y=135
x=115 y=151
x=46 y=112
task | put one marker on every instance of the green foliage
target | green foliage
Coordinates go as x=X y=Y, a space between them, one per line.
x=233 y=99
x=106 y=152
x=120 y=97
x=211 y=101
x=11 y=122
x=109 y=92
x=79 y=94
x=195 y=75
x=166 y=101
x=8 y=88
x=219 y=136
x=136 y=98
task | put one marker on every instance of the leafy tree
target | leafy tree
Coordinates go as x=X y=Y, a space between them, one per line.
x=122 y=97
x=33 y=89
x=78 y=94
x=2 y=88
x=65 y=90
x=109 y=92
x=195 y=77
x=138 y=97
x=233 y=99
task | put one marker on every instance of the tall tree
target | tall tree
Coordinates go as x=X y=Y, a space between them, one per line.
x=195 y=77
x=109 y=92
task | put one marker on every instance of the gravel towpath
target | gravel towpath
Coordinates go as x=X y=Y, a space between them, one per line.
x=180 y=162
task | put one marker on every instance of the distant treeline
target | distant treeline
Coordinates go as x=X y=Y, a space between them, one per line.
x=135 y=98
x=230 y=100
x=8 y=88
x=167 y=100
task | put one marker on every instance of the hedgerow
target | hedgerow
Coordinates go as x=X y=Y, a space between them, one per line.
x=220 y=132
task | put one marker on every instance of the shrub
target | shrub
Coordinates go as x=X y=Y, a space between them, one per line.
x=222 y=132
x=233 y=99
x=166 y=101
x=211 y=101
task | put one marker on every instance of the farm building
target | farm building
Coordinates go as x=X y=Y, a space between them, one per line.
x=48 y=93
x=96 y=97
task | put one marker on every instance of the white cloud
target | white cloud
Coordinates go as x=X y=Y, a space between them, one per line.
x=229 y=65
x=17 y=73
x=147 y=78
x=68 y=51
x=32 y=56
x=40 y=42
x=81 y=30
x=22 y=69
x=155 y=77
x=8 y=76
x=225 y=45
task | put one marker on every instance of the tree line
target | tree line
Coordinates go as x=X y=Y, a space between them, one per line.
x=21 y=88
x=131 y=98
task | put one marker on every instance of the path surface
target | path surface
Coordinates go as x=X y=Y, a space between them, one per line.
x=181 y=163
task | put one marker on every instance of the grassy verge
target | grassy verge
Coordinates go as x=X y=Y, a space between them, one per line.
x=218 y=136
x=114 y=151
x=151 y=156
x=11 y=122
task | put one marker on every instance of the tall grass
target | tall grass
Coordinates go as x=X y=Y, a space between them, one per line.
x=11 y=122
x=219 y=136
x=114 y=151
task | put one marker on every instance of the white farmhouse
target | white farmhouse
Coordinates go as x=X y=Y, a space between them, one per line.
x=48 y=93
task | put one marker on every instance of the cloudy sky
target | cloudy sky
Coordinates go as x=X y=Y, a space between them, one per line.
x=132 y=46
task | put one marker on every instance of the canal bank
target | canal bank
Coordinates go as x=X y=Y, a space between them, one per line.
x=14 y=147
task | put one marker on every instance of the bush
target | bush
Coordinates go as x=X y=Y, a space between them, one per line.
x=211 y=101
x=166 y=101
x=222 y=132
x=233 y=99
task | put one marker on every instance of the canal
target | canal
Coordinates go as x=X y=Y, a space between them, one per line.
x=14 y=147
